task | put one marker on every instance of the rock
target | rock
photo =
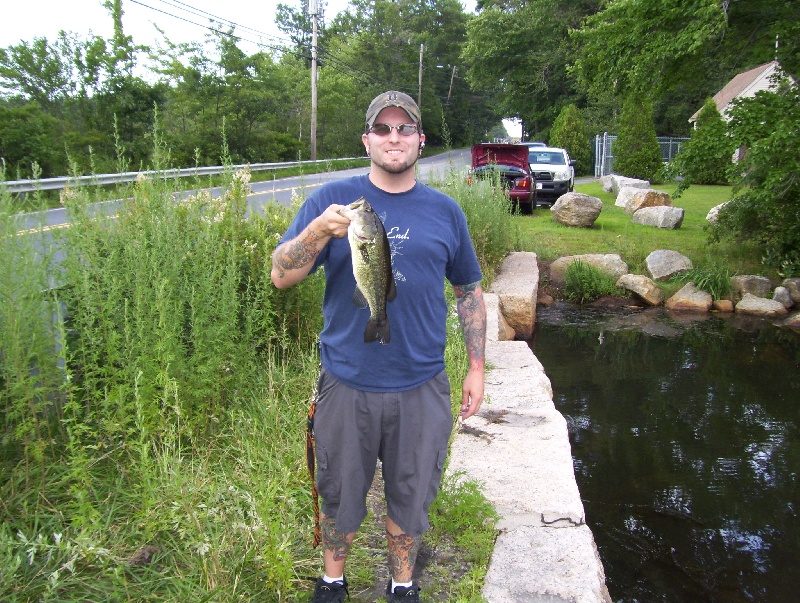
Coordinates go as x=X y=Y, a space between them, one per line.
x=618 y=182
x=497 y=328
x=517 y=286
x=611 y=263
x=576 y=209
x=648 y=198
x=607 y=182
x=793 y=285
x=713 y=213
x=545 y=300
x=793 y=321
x=664 y=263
x=670 y=218
x=626 y=193
x=760 y=306
x=642 y=287
x=782 y=295
x=760 y=286
x=690 y=299
x=723 y=305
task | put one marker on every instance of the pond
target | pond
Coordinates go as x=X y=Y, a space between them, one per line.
x=685 y=434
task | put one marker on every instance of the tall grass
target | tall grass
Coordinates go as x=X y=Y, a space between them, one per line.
x=154 y=389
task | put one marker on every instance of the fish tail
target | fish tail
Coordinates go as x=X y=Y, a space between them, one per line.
x=377 y=330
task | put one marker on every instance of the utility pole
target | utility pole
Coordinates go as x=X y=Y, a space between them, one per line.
x=419 y=92
x=313 y=9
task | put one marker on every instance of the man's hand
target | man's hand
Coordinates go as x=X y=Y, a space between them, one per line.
x=472 y=393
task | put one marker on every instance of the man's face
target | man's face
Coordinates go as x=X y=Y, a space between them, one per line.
x=393 y=153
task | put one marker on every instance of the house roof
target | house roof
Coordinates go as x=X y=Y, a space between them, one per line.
x=743 y=85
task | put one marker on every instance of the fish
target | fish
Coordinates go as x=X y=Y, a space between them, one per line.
x=372 y=268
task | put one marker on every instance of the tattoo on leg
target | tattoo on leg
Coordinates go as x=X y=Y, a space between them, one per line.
x=402 y=554
x=334 y=541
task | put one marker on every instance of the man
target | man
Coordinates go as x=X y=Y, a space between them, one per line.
x=389 y=402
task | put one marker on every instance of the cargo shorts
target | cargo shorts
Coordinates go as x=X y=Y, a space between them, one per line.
x=407 y=431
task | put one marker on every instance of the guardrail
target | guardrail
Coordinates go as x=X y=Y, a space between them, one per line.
x=51 y=184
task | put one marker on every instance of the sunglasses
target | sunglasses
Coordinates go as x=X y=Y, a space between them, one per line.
x=386 y=129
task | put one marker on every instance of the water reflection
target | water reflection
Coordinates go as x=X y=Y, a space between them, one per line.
x=685 y=435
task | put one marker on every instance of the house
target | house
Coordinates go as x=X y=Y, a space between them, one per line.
x=745 y=85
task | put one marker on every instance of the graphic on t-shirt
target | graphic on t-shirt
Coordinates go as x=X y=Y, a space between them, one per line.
x=397 y=238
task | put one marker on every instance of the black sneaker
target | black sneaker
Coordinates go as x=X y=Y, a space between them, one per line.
x=330 y=592
x=402 y=594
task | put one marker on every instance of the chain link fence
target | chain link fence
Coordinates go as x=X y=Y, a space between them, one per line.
x=604 y=151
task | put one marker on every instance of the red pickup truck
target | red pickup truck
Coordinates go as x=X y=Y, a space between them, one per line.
x=508 y=164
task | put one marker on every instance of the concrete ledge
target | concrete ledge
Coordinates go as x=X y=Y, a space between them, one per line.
x=517 y=447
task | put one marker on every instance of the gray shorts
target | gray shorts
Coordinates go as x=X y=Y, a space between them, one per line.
x=408 y=431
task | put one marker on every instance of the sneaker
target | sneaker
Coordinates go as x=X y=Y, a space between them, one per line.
x=330 y=592
x=402 y=594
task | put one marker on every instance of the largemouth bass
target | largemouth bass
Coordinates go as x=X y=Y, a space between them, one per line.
x=372 y=267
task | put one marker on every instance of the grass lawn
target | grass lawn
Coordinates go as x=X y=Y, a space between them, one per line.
x=614 y=232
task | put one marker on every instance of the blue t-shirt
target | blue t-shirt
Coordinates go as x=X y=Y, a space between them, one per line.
x=429 y=241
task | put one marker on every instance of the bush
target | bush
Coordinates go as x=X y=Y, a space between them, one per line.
x=569 y=132
x=766 y=197
x=636 y=150
x=585 y=283
x=706 y=157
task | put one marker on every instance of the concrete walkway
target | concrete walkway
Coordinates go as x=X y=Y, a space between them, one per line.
x=517 y=448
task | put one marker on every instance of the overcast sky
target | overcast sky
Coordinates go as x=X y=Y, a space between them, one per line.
x=182 y=21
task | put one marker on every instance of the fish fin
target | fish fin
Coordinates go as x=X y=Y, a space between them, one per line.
x=377 y=330
x=391 y=294
x=359 y=299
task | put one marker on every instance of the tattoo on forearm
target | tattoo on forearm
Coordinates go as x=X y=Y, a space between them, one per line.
x=402 y=553
x=334 y=540
x=297 y=253
x=472 y=317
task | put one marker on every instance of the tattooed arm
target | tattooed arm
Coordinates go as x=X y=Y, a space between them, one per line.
x=293 y=260
x=472 y=317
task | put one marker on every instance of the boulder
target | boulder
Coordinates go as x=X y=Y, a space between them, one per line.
x=670 y=218
x=618 y=182
x=793 y=285
x=760 y=306
x=648 y=198
x=576 y=209
x=690 y=299
x=760 y=286
x=793 y=321
x=664 y=263
x=607 y=182
x=781 y=294
x=497 y=329
x=625 y=194
x=713 y=213
x=642 y=287
x=610 y=263
x=517 y=286
x=723 y=305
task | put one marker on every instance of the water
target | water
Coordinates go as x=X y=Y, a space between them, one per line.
x=685 y=437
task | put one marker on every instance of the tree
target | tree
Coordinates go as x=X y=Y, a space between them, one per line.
x=706 y=157
x=569 y=132
x=765 y=207
x=636 y=150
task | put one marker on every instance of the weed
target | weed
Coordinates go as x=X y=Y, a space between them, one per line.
x=585 y=283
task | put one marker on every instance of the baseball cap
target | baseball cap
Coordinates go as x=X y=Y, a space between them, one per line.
x=392 y=98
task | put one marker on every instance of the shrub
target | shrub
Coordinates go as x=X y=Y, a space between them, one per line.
x=569 y=132
x=766 y=197
x=585 y=283
x=636 y=150
x=706 y=157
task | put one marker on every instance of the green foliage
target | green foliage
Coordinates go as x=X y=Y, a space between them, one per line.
x=585 y=283
x=713 y=278
x=569 y=132
x=765 y=207
x=636 y=150
x=706 y=157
